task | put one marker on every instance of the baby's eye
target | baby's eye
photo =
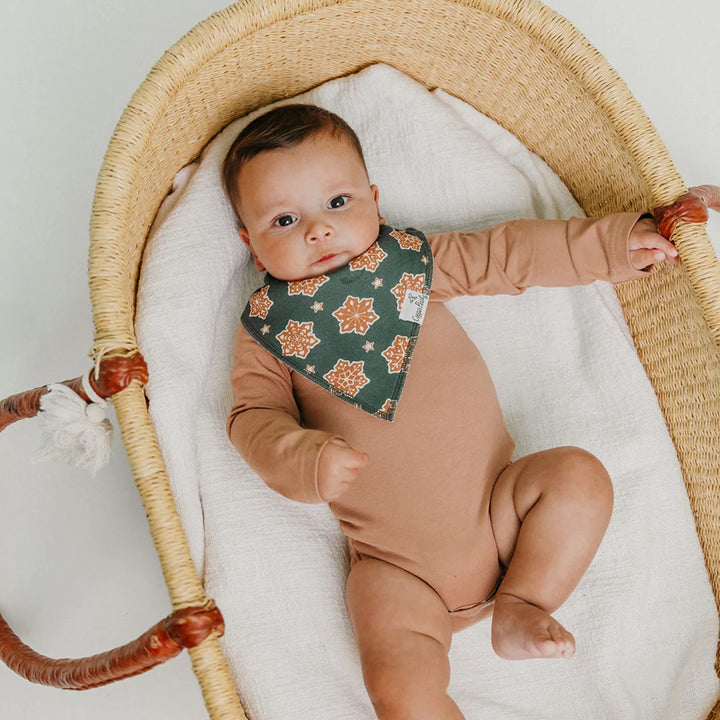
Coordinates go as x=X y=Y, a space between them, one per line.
x=285 y=220
x=338 y=201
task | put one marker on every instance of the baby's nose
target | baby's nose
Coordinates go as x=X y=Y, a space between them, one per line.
x=318 y=231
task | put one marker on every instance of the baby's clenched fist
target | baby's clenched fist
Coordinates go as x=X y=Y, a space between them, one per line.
x=338 y=468
x=646 y=247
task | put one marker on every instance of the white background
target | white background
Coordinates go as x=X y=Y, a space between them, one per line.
x=78 y=567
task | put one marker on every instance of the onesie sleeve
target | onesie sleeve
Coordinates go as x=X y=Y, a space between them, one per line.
x=264 y=423
x=515 y=255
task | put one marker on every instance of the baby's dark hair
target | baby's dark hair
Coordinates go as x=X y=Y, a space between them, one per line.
x=282 y=127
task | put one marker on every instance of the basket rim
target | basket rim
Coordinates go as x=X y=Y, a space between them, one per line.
x=243 y=18
x=231 y=24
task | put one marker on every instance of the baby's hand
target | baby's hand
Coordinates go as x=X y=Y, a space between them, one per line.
x=647 y=247
x=338 y=468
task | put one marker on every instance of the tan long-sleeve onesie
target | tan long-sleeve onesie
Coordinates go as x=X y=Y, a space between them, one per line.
x=422 y=502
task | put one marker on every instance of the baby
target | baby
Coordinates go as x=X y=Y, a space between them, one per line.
x=355 y=386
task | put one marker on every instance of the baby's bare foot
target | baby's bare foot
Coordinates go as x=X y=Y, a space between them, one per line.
x=521 y=631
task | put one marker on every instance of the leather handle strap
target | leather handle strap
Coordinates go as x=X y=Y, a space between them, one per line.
x=690 y=207
x=114 y=375
x=184 y=628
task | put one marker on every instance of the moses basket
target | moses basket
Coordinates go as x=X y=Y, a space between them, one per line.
x=517 y=62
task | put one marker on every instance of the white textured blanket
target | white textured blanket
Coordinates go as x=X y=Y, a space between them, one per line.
x=566 y=373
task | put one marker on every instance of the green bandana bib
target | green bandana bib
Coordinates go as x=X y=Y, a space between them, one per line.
x=352 y=331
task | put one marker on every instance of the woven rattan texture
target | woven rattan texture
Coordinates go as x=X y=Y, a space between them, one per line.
x=514 y=60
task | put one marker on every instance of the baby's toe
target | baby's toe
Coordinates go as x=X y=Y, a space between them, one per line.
x=565 y=642
x=548 y=648
x=558 y=643
x=544 y=643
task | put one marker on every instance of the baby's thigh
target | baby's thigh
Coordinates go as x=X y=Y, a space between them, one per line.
x=566 y=471
x=402 y=627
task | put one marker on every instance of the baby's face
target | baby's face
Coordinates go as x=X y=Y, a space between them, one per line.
x=307 y=209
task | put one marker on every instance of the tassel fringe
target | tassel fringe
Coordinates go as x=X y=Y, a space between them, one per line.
x=73 y=431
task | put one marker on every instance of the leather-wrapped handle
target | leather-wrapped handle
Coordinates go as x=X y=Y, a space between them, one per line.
x=114 y=375
x=184 y=628
x=691 y=207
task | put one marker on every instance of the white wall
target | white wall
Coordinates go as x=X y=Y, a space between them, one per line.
x=78 y=567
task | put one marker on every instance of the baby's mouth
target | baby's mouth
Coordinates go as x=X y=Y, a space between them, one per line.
x=325 y=258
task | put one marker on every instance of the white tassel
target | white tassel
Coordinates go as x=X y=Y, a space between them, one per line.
x=74 y=431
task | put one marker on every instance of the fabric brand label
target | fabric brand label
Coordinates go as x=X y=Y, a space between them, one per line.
x=414 y=306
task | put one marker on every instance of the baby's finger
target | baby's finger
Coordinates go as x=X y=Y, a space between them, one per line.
x=664 y=245
x=640 y=259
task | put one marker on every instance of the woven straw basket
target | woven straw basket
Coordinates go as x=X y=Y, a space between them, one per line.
x=516 y=61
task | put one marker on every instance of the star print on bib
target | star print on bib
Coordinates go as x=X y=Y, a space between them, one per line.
x=352 y=331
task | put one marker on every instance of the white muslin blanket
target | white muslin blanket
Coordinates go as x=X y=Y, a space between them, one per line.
x=566 y=373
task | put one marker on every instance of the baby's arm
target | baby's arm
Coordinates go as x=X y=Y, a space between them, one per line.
x=305 y=465
x=515 y=255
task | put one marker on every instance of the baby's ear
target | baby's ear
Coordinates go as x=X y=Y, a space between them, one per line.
x=376 y=196
x=245 y=237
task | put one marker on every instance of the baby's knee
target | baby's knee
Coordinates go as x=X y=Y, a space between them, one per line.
x=583 y=476
x=383 y=598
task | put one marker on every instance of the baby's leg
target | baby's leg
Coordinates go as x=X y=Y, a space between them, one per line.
x=403 y=632
x=549 y=512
